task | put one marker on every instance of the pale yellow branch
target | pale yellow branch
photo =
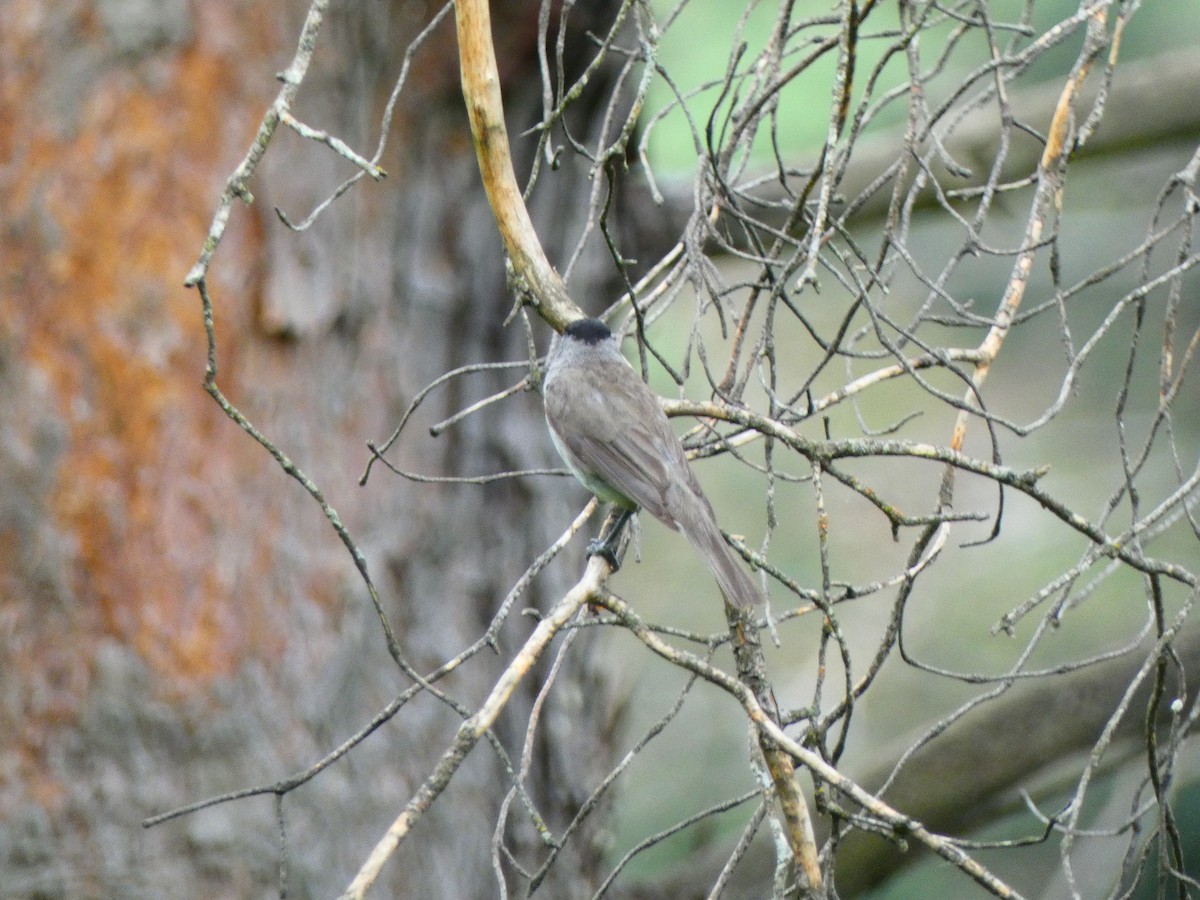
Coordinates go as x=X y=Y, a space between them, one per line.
x=481 y=91
x=900 y=823
x=1048 y=190
x=476 y=726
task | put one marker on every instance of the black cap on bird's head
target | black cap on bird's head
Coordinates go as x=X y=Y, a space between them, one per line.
x=590 y=331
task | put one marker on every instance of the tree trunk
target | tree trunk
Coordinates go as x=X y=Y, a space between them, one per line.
x=178 y=617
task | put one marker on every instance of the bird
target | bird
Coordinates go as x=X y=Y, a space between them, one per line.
x=613 y=435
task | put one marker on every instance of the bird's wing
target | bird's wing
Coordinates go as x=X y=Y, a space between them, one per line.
x=630 y=453
x=633 y=451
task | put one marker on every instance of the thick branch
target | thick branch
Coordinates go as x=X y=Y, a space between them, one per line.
x=477 y=725
x=900 y=823
x=979 y=761
x=481 y=92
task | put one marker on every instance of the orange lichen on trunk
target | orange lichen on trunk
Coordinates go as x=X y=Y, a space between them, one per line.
x=114 y=166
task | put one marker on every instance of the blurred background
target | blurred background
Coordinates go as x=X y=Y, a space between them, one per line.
x=179 y=619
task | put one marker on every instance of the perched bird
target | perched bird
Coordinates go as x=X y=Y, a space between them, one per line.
x=614 y=437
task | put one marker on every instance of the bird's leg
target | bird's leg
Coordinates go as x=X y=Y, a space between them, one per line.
x=609 y=542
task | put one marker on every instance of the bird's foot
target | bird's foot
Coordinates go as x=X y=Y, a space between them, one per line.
x=604 y=547
x=609 y=542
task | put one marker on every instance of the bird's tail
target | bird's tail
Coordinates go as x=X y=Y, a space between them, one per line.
x=727 y=568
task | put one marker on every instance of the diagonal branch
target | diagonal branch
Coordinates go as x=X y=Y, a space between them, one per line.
x=900 y=824
x=532 y=271
x=477 y=725
x=236 y=185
